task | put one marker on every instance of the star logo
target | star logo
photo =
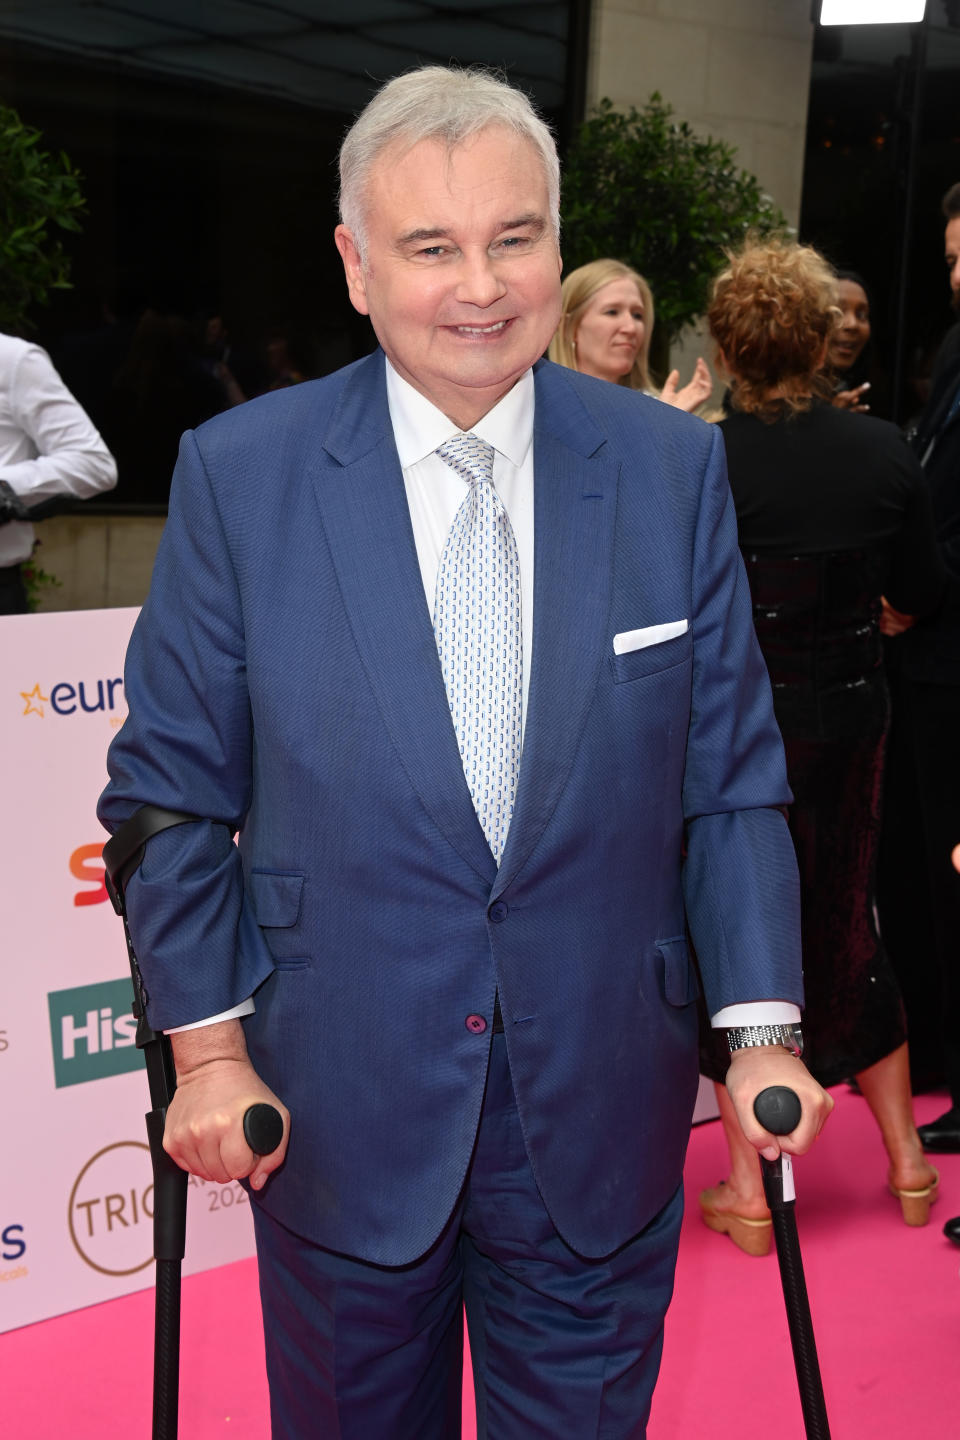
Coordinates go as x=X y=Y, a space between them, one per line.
x=35 y=701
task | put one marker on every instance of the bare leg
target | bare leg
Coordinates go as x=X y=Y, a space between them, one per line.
x=742 y=1193
x=737 y=1207
x=886 y=1089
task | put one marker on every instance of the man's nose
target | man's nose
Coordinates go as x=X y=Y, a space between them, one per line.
x=479 y=282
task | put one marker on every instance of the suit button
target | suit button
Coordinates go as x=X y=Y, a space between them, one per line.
x=498 y=912
x=476 y=1024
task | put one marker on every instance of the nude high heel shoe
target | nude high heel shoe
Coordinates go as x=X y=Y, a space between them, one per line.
x=915 y=1204
x=751 y=1236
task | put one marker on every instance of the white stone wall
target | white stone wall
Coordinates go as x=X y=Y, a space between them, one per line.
x=738 y=70
x=101 y=561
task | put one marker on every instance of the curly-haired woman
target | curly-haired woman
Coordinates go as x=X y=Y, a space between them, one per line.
x=833 y=515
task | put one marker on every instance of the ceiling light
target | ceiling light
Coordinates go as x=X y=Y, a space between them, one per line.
x=868 y=12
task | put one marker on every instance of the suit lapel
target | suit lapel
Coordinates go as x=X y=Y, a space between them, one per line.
x=575 y=494
x=367 y=524
x=363 y=504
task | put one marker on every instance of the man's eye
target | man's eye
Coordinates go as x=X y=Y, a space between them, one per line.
x=433 y=250
x=513 y=242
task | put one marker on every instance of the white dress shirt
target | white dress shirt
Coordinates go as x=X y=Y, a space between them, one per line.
x=48 y=445
x=434 y=492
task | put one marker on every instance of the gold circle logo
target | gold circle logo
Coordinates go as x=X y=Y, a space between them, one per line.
x=110 y=1214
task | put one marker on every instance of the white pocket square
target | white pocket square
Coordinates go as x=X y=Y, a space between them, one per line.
x=629 y=640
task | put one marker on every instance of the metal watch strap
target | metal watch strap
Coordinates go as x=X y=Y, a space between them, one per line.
x=745 y=1037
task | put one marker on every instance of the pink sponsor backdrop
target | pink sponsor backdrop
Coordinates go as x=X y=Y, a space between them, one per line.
x=75 y=1197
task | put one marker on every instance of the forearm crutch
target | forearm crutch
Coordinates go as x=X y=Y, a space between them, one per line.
x=262 y=1126
x=778 y=1110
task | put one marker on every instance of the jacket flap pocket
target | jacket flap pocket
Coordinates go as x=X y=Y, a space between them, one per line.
x=648 y=659
x=679 y=978
x=276 y=896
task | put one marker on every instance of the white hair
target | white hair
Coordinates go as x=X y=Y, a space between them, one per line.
x=438 y=103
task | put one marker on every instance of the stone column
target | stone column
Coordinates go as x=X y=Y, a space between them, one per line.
x=737 y=70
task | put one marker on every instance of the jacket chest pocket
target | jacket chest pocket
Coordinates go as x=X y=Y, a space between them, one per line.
x=650 y=659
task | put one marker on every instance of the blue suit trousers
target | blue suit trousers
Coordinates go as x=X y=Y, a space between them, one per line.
x=561 y=1345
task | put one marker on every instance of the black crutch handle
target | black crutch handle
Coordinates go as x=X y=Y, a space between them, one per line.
x=263 y=1128
x=778 y=1109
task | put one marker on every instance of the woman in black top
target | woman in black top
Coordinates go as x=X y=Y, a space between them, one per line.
x=848 y=352
x=833 y=515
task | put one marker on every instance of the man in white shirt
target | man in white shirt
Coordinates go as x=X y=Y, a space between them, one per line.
x=48 y=448
x=464 y=980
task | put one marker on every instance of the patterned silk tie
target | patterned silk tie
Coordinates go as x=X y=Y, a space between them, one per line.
x=477 y=624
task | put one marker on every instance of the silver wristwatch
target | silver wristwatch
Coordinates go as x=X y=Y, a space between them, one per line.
x=745 y=1037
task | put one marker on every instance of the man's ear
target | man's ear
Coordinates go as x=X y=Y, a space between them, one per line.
x=353 y=268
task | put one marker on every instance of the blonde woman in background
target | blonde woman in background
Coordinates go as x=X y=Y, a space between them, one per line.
x=606 y=324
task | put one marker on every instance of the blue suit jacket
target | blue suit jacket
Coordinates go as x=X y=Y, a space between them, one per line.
x=283 y=680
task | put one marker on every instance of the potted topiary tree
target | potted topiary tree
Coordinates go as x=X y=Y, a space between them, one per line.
x=641 y=187
x=39 y=195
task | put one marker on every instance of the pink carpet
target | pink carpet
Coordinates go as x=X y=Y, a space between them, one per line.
x=885 y=1300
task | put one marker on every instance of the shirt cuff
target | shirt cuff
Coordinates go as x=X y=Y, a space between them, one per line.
x=756 y=1012
x=246 y=1007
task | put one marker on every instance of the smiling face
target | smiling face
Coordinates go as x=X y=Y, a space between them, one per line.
x=461 y=274
x=853 y=332
x=611 y=331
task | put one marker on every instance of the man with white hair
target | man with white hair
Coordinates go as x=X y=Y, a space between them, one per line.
x=461 y=974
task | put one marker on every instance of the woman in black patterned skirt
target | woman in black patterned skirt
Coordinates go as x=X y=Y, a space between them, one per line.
x=833 y=516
